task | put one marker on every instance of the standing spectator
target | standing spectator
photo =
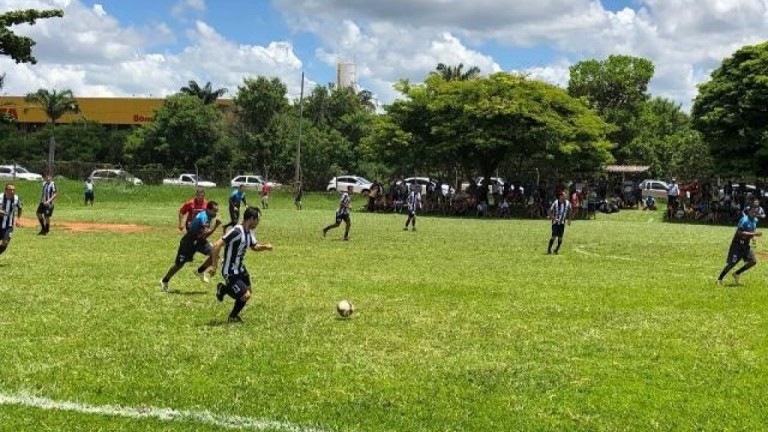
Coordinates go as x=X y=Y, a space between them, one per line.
x=342 y=214
x=45 y=208
x=235 y=199
x=236 y=243
x=265 y=188
x=88 y=189
x=673 y=191
x=740 y=248
x=576 y=202
x=559 y=213
x=10 y=213
x=195 y=240
x=190 y=209
x=413 y=202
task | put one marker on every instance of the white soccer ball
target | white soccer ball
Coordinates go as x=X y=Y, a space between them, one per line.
x=345 y=308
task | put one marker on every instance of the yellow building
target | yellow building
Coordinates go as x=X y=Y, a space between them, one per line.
x=108 y=111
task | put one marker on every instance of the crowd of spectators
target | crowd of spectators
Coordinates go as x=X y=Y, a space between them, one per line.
x=712 y=203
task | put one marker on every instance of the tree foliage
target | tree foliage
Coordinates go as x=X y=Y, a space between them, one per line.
x=616 y=88
x=19 y=48
x=731 y=112
x=55 y=104
x=206 y=93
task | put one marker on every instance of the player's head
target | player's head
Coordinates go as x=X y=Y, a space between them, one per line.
x=251 y=217
x=10 y=189
x=199 y=193
x=753 y=211
x=47 y=176
x=212 y=208
x=241 y=187
x=350 y=188
x=563 y=195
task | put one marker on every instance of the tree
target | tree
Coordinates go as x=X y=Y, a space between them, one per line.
x=55 y=105
x=19 y=48
x=730 y=111
x=616 y=88
x=207 y=94
x=456 y=73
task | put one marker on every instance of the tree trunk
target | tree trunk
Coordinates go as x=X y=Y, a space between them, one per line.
x=51 y=154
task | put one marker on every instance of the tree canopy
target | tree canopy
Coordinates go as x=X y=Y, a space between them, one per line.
x=731 y=111
x=19 y=48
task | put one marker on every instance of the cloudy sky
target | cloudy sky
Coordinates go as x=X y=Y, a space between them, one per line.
x=154 y=47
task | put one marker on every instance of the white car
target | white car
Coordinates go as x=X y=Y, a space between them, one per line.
x=654 y=188
x=424 y=181
x=101 y=175
x=359 y=184
x=18 y=172
x=189 y=180
x=253 y=181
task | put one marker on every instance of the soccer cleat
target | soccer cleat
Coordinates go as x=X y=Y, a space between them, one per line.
x=736 y=277
x=203 y=276
x=235 y=320
x=324 y=233
x=220 y=292
x=164 y=286
x=413 y=229
x=719 y=282
x=405 y=229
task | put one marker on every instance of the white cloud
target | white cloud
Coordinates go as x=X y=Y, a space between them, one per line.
x=180 y=9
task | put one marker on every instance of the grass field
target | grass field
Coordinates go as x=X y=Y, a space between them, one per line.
x=465 y=325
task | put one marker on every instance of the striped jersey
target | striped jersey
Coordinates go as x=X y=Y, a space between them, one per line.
x=236 y=243
x=413 y=200
x=9 y=206
x=559 y=211
x=49 y=190
x=344 y=203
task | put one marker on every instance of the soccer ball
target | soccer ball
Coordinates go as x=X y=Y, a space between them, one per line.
x=345 y=308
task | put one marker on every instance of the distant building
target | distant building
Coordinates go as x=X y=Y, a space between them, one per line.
x=118 y=112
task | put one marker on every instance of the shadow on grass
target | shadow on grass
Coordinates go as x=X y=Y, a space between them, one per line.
x=187 y=293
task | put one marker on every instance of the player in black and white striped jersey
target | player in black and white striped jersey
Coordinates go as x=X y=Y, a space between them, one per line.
x=45 y=208
x=10 y=212
x=342 y=213
x=560 y=214
x=413 y=202
x=236 y=243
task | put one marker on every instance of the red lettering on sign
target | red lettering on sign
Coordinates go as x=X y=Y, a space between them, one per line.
x=138 y=118
x=10 y=112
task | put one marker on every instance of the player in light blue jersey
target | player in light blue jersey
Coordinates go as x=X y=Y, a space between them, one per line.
x=740 y=248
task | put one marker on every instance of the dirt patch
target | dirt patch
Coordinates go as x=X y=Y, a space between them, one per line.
x=763 y=255
x=110 y=227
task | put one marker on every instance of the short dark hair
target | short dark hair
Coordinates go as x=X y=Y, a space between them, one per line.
x=251 y=213
x=211 y=205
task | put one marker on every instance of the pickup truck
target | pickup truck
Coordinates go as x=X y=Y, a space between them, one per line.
x=188 y=180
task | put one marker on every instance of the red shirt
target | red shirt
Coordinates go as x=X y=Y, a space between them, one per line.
x=192 y=207
x=264 y=189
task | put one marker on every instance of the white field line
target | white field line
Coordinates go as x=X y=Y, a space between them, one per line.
x=163 y=414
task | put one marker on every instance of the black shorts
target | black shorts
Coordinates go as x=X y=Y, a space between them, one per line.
x=342 y=217
x=187 y=251
x=6 y=233
x=558 y=230
x=411 y=212
x=238 y=285
x=234 y=214
x=740 y=251
x=45 y=210
x=89 y=196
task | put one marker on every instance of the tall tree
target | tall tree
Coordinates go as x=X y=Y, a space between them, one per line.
x=206 y=93
x=55 y=104
x=616 y=88
x=730 y=111
x=19 y=48
x=456 y=73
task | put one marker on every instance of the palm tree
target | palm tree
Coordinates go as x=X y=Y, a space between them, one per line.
x=207 y=94
x=455 y=73
x=55 y=104
x=367 y=100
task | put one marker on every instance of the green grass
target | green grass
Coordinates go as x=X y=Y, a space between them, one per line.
x=465 y=325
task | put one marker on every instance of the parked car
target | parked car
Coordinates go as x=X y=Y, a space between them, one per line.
x=359 y=184
x=101 y=175
x=423 y=182
x=654 y=188
x=189 y=180
x=18 y=172
x=253 y=181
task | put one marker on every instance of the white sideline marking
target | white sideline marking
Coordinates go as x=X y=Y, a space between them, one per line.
x=582 y=251
x=164 y=414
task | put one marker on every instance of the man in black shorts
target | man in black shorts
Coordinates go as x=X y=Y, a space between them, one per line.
x=235 y=243
x=45 y=208
x=10 y=209
x=195 y=240
x=342 y=213
x=740 y=248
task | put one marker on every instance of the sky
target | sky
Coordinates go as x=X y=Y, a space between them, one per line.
x=152 y=48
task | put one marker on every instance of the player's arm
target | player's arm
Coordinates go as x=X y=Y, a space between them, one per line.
x=182 y=214
x=53 y=197
x=215 y=254
x=210 y=230
x=258 y=247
